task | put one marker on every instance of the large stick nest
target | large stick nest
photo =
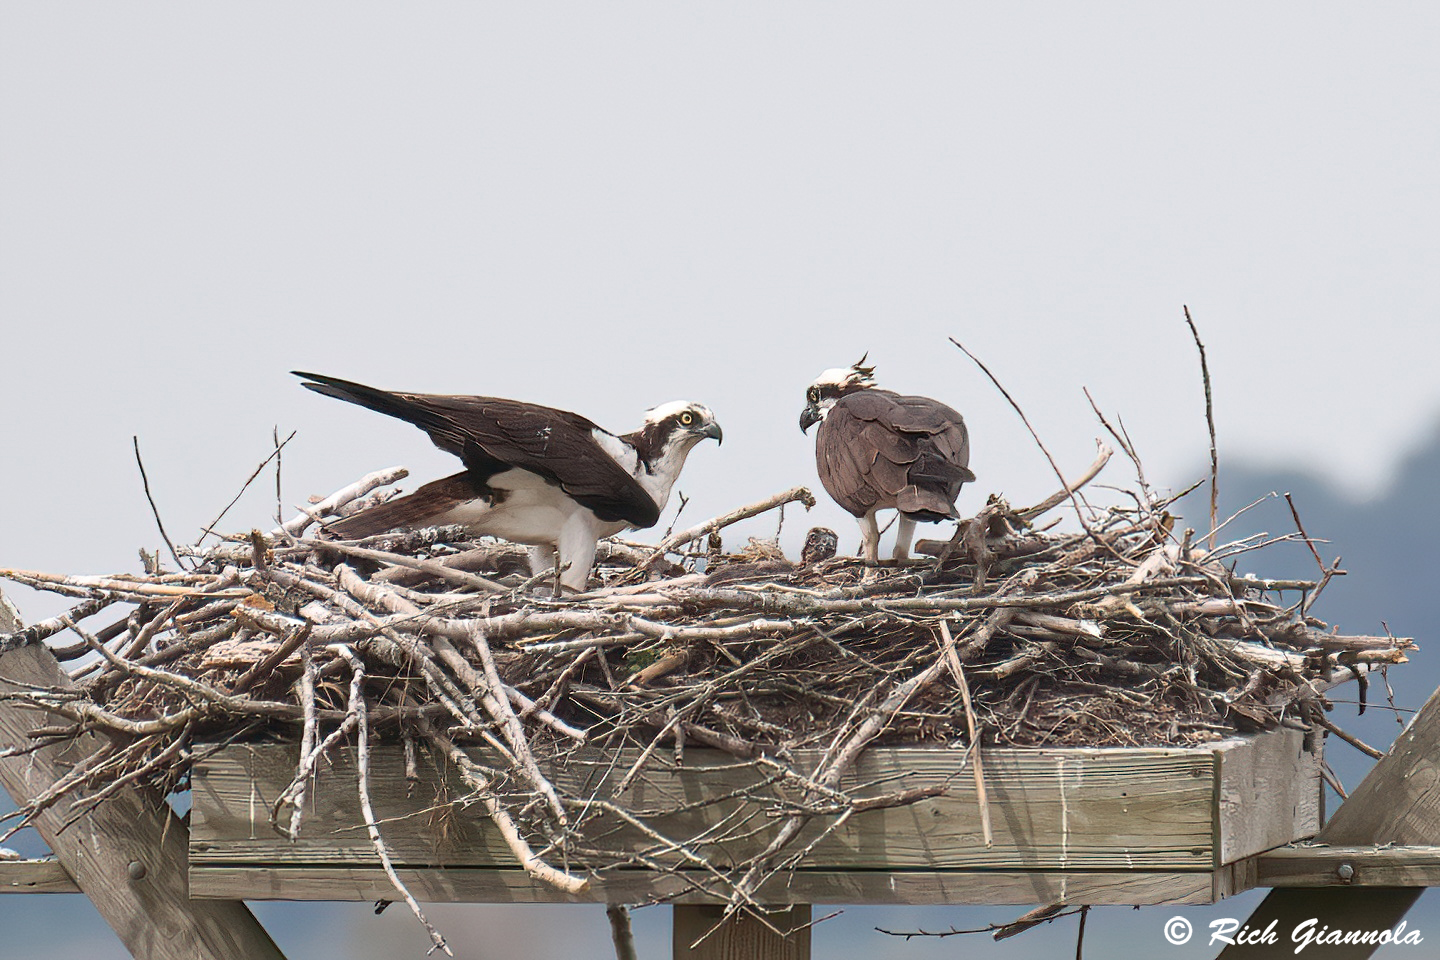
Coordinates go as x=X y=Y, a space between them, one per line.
x=1125 y=631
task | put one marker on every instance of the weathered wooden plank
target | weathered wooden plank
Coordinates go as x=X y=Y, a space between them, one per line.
x=1138 y=809
x=488 y=885
x=127 y=855
x=1348 y=866
x=35 y=876
x=1276 y=777
x=741 y=937
x=1397 y=802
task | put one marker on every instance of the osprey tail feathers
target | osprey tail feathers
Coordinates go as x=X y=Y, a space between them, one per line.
x=934 y=484
x=924 y=504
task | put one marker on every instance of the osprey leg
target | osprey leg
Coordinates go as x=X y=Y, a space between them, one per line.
x=904 y=533
x=870 y=538
x=542 y=558
x=577 y=544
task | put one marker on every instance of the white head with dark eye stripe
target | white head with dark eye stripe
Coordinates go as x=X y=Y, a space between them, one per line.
x=680 y=421
x=674 y=428
x=830 y=386
x=666 y=438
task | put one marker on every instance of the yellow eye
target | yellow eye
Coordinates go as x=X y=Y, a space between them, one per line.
x=687 y=418
x=812 y=395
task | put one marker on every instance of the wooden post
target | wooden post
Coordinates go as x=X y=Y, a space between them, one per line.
x=128 y=855
x=1397 y=802
x=742 y=937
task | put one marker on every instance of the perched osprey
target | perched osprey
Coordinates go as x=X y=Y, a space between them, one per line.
x=876 y=450
x=533 y=474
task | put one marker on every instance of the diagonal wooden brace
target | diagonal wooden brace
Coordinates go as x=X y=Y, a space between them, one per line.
x=1397 y=802
x=128 y=855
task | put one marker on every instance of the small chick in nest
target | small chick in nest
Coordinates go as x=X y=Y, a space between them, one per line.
x=821 y=543
x=760 y=557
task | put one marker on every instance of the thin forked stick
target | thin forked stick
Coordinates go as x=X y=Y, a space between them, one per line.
x=953 y=659
x=362 y=764
x=480 y=782
x=145 y=482
x=1295 y=514
x=308 y=737
x=209 y=528
x=1210 y=424
x=1074 y=497
x=1122 y=438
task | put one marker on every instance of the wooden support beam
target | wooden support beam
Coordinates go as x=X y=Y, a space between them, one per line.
x=1324 y=866
x=451 y=884
x=741 y=937
x=1397 y=802
x=35 y=876
x=129 y=854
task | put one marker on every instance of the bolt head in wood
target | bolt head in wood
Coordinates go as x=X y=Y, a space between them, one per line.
x=136 y=870
x=1345 y=871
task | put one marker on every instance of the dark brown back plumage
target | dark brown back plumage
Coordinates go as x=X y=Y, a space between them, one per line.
x=876 y=448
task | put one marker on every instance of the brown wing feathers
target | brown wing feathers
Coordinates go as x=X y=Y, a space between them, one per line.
x=492 y=434
x=877 y=448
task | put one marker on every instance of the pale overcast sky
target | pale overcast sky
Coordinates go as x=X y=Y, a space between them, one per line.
x=605 y=206
x=602 y=207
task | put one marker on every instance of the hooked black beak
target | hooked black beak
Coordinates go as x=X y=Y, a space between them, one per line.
x=712 y=430
x=809 y=417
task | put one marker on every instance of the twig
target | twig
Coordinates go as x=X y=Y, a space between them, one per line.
x=145 y=481
x=1351 y=739
x=309 y=735
x=118 y=586
x=1103 y=453
x=44 y=629
x=399 y=560
x=362 y=782
x=279 y=499
x=1326 y=573
x=953 y=659
x=296 y=525
x=209 y=528
x=1210 y=425
x=480 y=783
x=724 y=520
x=1072 y=494
x=1000 y=931
x=1328 y=775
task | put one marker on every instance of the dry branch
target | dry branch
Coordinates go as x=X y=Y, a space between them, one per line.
x=676 y=540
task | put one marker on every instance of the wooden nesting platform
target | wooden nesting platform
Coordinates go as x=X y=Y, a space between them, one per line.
x=1079 y=825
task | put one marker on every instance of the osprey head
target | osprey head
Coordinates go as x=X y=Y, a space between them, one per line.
x=830 y=386
x=680 y=423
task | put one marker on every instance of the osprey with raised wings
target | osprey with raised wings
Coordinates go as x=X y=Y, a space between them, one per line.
x=533 y=475
x=878 y=450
